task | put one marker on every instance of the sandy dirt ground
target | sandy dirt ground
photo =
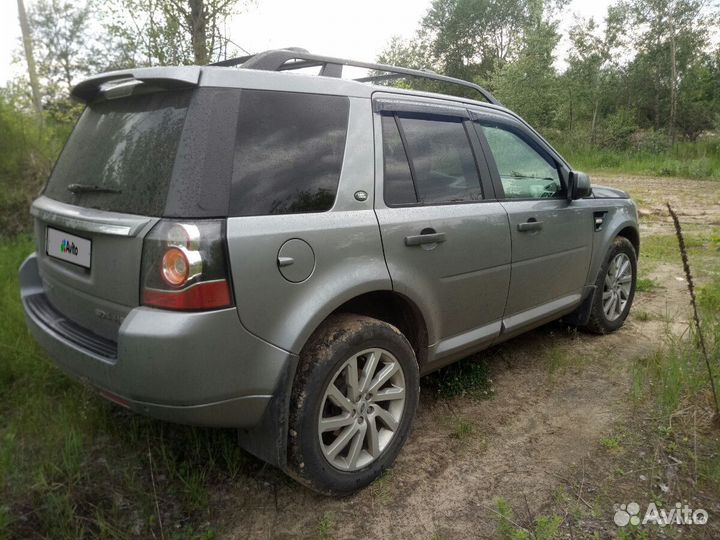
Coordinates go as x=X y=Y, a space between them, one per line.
x=557 y=395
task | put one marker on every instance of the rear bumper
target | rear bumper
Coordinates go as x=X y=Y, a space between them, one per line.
x=193 y=368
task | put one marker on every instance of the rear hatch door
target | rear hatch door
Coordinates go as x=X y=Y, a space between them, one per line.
x=107 y=190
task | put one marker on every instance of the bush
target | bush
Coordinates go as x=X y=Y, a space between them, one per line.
x=618 y=129
x=699 y=168
x=650 y=141
x=693 y=119
x=29 y=151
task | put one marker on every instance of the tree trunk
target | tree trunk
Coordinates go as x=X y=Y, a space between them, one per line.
x=673 y=82
x=30 y=58
x=198 y=29
x=657 y=105
x=594 y=121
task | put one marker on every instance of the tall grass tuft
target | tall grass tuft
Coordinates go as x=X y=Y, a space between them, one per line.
x=677 y=375
x=696 y=317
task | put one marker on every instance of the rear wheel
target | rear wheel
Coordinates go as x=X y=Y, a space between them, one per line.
x=615 y=288
x=354 y=398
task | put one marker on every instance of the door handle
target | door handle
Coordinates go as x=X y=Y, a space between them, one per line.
x=530 y=225
x=425 y=238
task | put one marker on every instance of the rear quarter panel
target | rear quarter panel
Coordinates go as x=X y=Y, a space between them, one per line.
x=345 y=241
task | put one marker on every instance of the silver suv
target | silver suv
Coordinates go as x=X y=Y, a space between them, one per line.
x=287 y=252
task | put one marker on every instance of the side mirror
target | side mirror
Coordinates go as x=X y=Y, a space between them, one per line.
x=578 y=186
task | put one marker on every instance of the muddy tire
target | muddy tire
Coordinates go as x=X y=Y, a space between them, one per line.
x=354 y=398
x=615 y=288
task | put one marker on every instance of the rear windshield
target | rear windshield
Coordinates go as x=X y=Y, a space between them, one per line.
x=120 y=155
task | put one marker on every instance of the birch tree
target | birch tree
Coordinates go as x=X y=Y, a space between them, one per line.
x=30 y=57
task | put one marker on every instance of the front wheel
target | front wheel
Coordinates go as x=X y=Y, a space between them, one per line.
x=354 y=398
x=615 y=288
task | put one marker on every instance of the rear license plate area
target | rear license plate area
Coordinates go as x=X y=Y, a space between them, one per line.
x=68 y=247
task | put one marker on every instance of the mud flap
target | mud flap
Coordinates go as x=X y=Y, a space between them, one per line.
x=581 y=315
x=269 y=438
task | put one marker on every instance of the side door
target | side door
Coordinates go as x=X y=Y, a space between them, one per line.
x=551 y=237
x=445 y=236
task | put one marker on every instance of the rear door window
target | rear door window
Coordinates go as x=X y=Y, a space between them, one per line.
x=442 y=161
x=289 y=152
x=120 y=155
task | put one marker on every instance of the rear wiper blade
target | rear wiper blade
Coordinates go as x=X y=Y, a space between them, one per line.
x=91 y=188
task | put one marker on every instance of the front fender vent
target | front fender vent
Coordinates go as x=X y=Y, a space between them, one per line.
x=599 y=220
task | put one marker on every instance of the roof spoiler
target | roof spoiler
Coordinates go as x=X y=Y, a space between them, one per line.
x=113 y=81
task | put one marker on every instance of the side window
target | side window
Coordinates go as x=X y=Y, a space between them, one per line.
x=397 y=179
x=288 y=152
x=524 y=172
x=443 y=164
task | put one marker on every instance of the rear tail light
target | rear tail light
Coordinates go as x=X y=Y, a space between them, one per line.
x=185 y=266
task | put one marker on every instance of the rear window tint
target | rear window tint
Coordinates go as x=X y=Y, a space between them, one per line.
x=289 y=152
x=121 y=153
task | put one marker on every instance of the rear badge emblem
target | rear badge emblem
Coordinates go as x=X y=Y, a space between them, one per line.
x=107 y=316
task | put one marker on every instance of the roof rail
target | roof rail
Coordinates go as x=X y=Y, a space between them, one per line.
x=296 y=58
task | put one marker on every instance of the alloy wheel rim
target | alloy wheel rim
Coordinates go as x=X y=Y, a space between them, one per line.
x=616 y=290
x=361 y=409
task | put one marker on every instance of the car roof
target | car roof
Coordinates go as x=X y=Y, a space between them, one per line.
x=278 y=69
x=216 y=76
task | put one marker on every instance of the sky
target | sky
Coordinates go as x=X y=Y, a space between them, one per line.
x=357 y=30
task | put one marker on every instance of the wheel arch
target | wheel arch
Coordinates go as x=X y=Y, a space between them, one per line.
x=633 y=235
x=620 y=221
x=395 y=309
x=617 y=228
x=383 y=304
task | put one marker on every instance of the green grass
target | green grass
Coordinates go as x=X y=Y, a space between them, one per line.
x=74 y=465
x=611 y=443
x=699 y=159
x=461 y=428
x=557 y=357
x=703 y=247
x=671 y=375
x=645 y=285
x=326 y=525
x=677 y=372
x=381 y=486
x=540 y=527
x=469 y=377
x=709 y=299
x=677 y=380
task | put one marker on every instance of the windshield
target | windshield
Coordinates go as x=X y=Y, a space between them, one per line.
x=121 y=153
